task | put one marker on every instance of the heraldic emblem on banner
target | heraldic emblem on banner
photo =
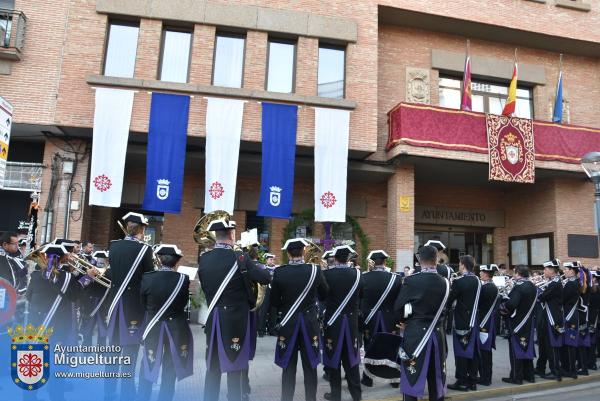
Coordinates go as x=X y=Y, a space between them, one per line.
x=511 y=149
x=30 y=356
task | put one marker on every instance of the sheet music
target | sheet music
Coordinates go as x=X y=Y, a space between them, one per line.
x=191 y=272
x=500 y=281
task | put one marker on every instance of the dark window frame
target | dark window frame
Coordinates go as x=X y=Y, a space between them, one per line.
x=528 y=238
x=293 y=42
x=229 y=34
x=111 y=22
x=487 y=95
x=344 y=48
x=163 y=34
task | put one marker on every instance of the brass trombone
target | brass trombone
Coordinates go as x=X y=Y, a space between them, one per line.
x=82 y=266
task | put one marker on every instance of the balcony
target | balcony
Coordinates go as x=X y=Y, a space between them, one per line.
x=12 y=33
x=424 y=126
x=21 y=176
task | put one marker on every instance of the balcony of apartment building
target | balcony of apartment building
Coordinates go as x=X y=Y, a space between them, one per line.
x=12 y=32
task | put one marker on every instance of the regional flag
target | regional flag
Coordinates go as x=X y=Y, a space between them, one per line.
x=465 y=103
x=511 y=101
x=558 y=103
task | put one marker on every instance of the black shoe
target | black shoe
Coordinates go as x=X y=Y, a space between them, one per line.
x=539 y=372
x=569 y=374
x=511 y=381
x=472 y=387
x=551 y=376
x=484 y=382
x=593 y=367
x=395 y=385
x=327 y=396
x=530 y=379
x=458 y=387
x=583 y=372
x=366 y=381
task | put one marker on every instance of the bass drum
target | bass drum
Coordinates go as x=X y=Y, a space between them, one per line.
x=381 y=358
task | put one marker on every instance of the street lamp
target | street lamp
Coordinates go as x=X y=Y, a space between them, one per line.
x=591 y=165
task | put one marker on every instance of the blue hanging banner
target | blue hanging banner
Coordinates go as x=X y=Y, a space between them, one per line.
x=167 y=137
x=279 y=123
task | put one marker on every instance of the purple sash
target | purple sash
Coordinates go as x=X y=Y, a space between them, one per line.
x=571 y=335
x=523 y=346
x=345 y=337
x=418 y=389
x=490 y=342
x=584 y=339
x=225 y=365
x=284 y=353
x=181 y=370
x=556 y=338
x=127 y=336
x=465 y=346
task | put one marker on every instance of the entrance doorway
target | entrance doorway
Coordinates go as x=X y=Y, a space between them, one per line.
x=459 y=242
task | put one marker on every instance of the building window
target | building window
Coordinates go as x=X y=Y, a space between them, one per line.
x=281 y=66
x=229 y=61
x=531 y=250
x=331 y=74
x=175 y=56
x=121 y=49
x=486 y=97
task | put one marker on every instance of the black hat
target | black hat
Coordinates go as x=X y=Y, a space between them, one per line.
x=100 y=254
x=295 y=243
x=436 y=244
x=68 y=244
x=554 y=263
x=269 y=255
x=488 y=268
x=343 y=250
x=23 y=241
x=378 y=254
x=221 y=225
x=135 y=218
x=168 y=249
x=54 y=249
x=572 y=265
x=327 y=254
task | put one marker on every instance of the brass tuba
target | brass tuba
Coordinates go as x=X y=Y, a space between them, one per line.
x=312 y=253
x=206 y=241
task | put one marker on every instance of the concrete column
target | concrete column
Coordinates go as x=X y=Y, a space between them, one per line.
x=401 y=215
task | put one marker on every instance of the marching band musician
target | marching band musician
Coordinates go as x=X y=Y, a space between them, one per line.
x=167 y=338
x=224 y=275
x=87 y=251
x=486 y=311
x=129 y=259
x=340 y=333
x=594 y=320
x=12 y=269
x=570 y=304
x=551 y=328
x=519 y=307
x=466 y=291
x=379 y=291
x=583 y=346
x=442 y=268
x=91 y=302
x=294 y=292
x=266 y=314
x=420 y=305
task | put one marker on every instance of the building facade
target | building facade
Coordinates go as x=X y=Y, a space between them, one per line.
x=363 y=56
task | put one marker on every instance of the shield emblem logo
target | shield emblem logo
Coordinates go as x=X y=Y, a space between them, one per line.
x=162 y=189
x=275 y=196
x=512 y=153
x=30 y=365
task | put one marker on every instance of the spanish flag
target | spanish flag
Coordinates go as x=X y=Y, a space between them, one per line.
x=511 y=101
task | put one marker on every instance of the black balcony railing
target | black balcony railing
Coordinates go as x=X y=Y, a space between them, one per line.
x=12 y=30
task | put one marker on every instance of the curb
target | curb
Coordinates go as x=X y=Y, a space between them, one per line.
x=541 y=384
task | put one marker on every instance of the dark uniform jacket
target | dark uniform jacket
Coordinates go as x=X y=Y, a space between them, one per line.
x=122 y=255
x=374 y=284
x=157 y=287
x=489 y=294
x=289 y=281
x=570 y=301
x=445 y=271
x=552 y=300
x=62 y=289
x=340 y=281
x=12 y=270
x=464 y=292
x=594 y=311
x=520 y=300
x=235 y=302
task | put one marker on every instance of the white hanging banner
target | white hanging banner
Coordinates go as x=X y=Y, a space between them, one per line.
x=332 y=128
x=223 y=132
x=109 y=146
x=6 y=112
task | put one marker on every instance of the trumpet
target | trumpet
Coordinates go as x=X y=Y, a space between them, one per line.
x=155 y=259
x=81 y=265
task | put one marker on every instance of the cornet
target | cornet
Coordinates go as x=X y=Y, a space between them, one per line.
x=81 y=265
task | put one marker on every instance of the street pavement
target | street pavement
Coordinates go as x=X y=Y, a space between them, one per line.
x=265 y=378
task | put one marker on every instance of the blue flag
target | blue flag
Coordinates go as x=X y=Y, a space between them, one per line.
x=558 y=103
x=279 y=123
x=167 y=137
